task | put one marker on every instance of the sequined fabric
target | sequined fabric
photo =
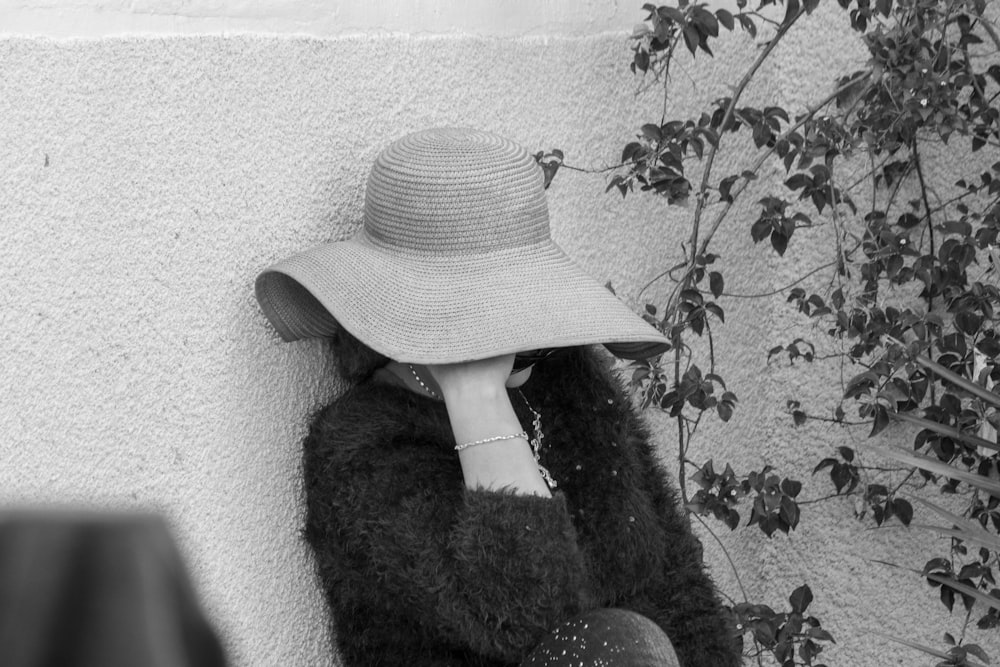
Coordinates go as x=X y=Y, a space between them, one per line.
x=605 y=638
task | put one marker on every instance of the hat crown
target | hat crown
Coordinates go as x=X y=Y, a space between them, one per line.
x=455 y=191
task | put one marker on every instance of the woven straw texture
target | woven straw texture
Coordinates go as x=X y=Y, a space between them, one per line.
x=454 y=262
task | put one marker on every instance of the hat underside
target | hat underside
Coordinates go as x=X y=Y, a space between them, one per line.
x=421 y=308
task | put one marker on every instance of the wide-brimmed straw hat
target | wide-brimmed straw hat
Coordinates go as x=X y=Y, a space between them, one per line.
x=454 y=262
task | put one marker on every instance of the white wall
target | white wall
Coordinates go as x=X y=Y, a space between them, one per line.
x=66 y=18
x=145 y=180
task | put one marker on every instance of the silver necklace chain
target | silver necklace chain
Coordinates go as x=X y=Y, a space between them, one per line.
x=536 y=442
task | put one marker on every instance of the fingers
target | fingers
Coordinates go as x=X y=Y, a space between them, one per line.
x=481 y=373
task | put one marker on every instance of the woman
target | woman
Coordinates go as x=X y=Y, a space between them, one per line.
x=484 y=493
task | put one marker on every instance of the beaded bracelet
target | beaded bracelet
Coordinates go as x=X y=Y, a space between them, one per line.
x=496 y=438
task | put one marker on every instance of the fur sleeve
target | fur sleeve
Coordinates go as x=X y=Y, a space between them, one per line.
x=393 y=528
x=668 y=580
x=517 y=571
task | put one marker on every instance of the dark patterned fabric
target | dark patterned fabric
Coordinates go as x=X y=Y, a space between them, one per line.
x=604 y=638
x=420 y=571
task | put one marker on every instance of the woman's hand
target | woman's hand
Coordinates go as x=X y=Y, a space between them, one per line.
x=475 y=393
x=473 y=379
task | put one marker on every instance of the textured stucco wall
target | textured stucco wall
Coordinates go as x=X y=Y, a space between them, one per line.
x=316 y=17
x=145 y=181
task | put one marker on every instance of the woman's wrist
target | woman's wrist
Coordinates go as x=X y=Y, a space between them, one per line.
x=503 y=465
x=491 y=443
x=481 y=412
x=473 y=394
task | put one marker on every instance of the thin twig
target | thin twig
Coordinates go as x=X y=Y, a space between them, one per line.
x=810 y=113
x=666 y=75
x=725 y=552
x=822 y=498
x=906 y=479
x=711 y=345
x=832 y=420
x=795 y=282
x=726 y=120
x=717 y=222
x=868 y=175
x=587 y=170
x=782 y=289
x=946 y=204
x=930 y=221
x=660 y=275
x=991 y=31
x=837 y=225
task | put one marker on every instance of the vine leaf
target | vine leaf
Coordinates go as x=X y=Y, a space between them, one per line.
x=801 y=598
x=964 y=589
x=716 y=283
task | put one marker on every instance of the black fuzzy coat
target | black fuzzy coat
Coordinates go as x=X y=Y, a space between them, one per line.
x=420 y=571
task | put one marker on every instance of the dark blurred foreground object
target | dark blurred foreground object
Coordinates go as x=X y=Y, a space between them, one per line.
x=94 y=590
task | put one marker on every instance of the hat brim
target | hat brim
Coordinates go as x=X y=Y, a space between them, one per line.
x=432 y=309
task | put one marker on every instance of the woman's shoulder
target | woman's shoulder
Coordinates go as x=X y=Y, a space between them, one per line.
x=370 y=414
x=578 y=377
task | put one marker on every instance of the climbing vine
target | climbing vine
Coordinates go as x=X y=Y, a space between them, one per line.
x=911 y=276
